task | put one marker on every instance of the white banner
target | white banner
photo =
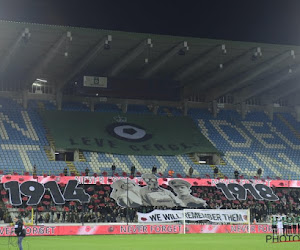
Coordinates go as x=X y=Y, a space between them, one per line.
x=213 y=215
x=95 y=81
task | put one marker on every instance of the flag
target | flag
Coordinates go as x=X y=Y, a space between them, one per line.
x=128 y=134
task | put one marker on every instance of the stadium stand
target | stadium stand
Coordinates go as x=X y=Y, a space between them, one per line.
x=249 y=144
x=23 y=140
x=249 y=138
x=138 y=109
x=102 y=208
x=253 y=143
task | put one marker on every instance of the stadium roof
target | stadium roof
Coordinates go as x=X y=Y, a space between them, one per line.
x=212 y=68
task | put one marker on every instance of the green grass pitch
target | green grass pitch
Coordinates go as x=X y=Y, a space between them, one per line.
x=151 y=241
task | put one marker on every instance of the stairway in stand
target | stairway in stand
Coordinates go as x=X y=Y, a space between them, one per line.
x=72 y=168
x=81 y=157
x=222 y=162
x=193 y=159
x=48 y=153
x=47 y=149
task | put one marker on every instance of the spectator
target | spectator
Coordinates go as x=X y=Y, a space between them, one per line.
x=289 y=204
x=132 y=170
x=65 y=171
x=154 y=170
x=113 y=169
x=63 y=216
x=87 y=171
x=34 y=170
x=216 y=171
x=51 y=216
x=41 y=219
x=108 y=218
x=236 y=174
x=119 y=218
x=191 y=170
x=259 y=172
x=1 y=214
x=7 y=218
x=47 y=218
x=72 y=217
x=170 y=173
x=58 y=216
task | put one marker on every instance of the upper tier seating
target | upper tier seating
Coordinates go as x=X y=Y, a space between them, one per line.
x=23 y=139
x=256 y=142
x=249 y=144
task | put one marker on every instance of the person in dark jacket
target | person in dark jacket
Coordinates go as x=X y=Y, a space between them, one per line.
x=87 y=171
x=113 y=169
x=20 y=231
x=65 y=171
x=259 y=172
x=132 y=170
x=216 y=171
x=191 y=171
x=236 y=174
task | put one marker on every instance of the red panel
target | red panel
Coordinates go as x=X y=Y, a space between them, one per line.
x=104 y=180
x=135 y=229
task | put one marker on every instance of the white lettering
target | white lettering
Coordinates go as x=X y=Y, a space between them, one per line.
x=29 y=133
x=219 y=124
x=261 y=137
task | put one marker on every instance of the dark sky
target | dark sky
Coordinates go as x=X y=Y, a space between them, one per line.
x=270 y=21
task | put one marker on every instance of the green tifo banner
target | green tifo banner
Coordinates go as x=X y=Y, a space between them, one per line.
x=126 y=133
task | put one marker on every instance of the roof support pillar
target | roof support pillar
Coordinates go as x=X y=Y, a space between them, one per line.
x=124 y=108
x=92 y=104
x=25 y=98
x=214 y=108
x=243 y=110
x=59 y=97
x=270 y=111
x=185 y=107
x=297 y=110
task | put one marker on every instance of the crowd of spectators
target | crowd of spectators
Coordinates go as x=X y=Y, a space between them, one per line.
x=103 y=209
